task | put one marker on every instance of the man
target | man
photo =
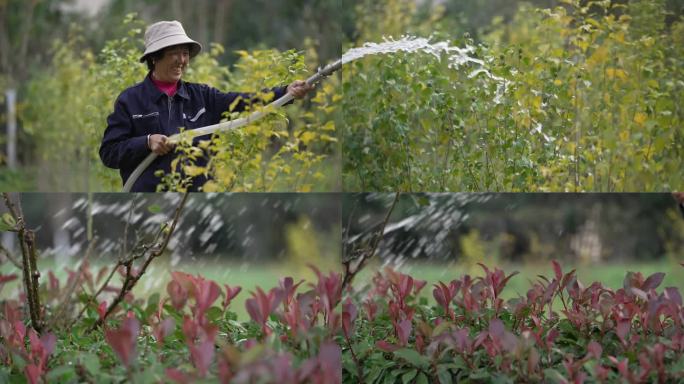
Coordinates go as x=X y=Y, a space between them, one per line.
x=146 y=114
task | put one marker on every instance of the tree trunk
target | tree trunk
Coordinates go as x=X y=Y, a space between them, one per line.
x=222 y=11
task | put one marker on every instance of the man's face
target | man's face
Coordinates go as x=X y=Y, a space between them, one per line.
x=171 y=66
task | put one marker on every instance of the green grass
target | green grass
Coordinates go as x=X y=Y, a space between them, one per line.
x=247 y=275
x=611 y=275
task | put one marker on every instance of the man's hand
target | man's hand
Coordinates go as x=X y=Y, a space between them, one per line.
x=299 y=88
x=160 y=144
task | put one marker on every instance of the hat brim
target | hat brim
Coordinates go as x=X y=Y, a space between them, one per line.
x=169 y=41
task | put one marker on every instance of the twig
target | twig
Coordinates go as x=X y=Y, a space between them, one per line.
x=130 y=280
x=359 y=367
x=10 y=257
x=70 y=290
x=367 y=254
x=29 y=267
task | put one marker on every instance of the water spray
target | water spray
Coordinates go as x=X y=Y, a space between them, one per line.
x=456 y=56
x=233 y=124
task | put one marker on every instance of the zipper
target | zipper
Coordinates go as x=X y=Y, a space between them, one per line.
x=169 y=102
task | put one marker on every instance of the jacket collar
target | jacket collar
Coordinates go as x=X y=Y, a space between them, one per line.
x=153 y=93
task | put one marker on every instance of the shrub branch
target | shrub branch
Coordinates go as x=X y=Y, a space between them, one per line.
x=27 y=241
x=148 y=253
x=355 y=263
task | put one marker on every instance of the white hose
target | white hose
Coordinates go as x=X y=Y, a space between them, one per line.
x=228 y=125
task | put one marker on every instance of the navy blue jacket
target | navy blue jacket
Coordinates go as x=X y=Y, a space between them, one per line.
x=143 y=109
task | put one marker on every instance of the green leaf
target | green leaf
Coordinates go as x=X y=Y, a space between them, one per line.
x=59 y=373
x=349 y=366
x=214 y=314
x=374 y=374
x=7 y=223
x=412 y=356
x=408 y=376
x=90 y=362
x=502 y=379
x=480 y=375
x=553 y=375
x=422 y=379
x=444 y=375
x=154 y=208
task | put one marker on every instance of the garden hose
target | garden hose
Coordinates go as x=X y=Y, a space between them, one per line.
x=228 y=125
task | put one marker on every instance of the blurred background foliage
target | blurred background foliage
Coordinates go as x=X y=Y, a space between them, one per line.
x=591 y=101
x=461 y=228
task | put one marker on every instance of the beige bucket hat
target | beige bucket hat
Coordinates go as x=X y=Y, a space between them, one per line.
x=164 y=34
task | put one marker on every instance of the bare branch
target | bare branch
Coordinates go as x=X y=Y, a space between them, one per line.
x=161 y=241
x=10 y=257
x=63 y=304
x=353 y=265
x=28 y=266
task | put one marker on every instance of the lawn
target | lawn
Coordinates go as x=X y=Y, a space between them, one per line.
x=611 y=275
x=246 y=275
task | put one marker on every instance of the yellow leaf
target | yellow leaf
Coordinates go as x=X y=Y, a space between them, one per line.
x=624 y=135
x=619 y=37
x=536 y=102
x=306 y=137
x=210 y=186
x=193 y=170
x=640 y=118
x=616 y=72
x=599 y=57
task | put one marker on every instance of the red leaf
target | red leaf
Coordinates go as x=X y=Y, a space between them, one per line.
x=230 y=294
x=557 y=270
x=404 y=331
x=632 y=279
x=370 y=308
x=53 y=282
x=462 y=339
x=33 y=373
x=260 y=305
x=178 y=376
x=123 y=340
x=330 y=362
x=622 y=328
x=177 y=293
x=441 y=295
x=653 y=281
x=48 y=342
x=385 y=346
x=349 y=313
x=594 y=349
x=418 y=286
x=102 y=309
x=163 y=329
x=496 y=328
x=672 y=294
x=206 y=292
x=639 y=293
x=202 y=356
x=567 y=279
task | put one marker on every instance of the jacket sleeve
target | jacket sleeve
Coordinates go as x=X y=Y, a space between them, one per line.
x=223 y=102
x=119 y=148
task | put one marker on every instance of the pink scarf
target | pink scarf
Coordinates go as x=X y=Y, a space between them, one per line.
x=168 y=88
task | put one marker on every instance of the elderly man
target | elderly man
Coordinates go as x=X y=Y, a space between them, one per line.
x=146 y=114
